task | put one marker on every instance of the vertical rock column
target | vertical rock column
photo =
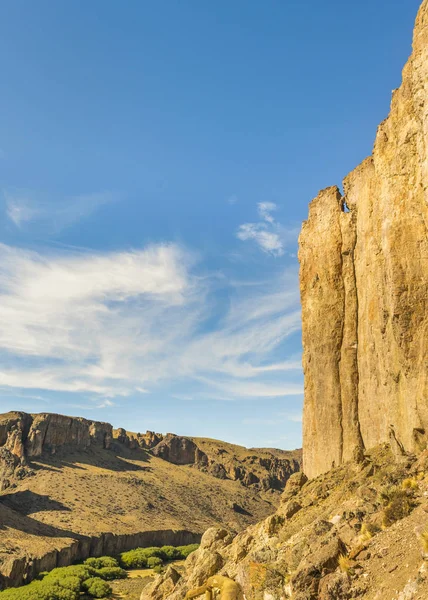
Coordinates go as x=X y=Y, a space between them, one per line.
x=323 y=300
x=364 y=289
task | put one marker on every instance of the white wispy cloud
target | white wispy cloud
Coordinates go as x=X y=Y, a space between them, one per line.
x=268 y=234
x=20 y=211
x=268 y=241
x=115 y=324
x=265 y=211
x=25 y=208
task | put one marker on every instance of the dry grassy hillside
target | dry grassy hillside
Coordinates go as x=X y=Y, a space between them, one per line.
x=72 y=493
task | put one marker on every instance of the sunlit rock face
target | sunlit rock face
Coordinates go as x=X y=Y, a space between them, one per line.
x=364 y=288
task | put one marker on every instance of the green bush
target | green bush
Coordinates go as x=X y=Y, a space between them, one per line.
x=159 y=569
x=138 y=558
x=82 y=572
x=154 y=561
x=39 y=590
x=186 y=550
x=101 y=562
x=170 y=553
x=69 y=582
x=97 y=587
x=133 y=559
x=62 y=583
x=110 y=573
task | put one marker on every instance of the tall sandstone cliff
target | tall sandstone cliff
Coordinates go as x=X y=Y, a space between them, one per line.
x=364 y=289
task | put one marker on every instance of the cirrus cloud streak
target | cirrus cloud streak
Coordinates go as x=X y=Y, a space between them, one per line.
x=122 y=323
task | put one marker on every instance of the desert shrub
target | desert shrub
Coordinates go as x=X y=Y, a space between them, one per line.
x=66 y=583
x=424 y=540
x=69 y=582
x=368 y=530
x=170 y=553
x=409 y=484
x=101 y=562
x=400 y=505
x=110 y=573
x=158 y=569
x=40 y=590
x=82 y=572
x=133 y=559
x=344 y=563
x=387 y=493
x=97 y=587
x=186 y=550
x=138 y=558
x=154 y=561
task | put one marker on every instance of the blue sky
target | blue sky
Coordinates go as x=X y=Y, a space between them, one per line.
x=156 y=162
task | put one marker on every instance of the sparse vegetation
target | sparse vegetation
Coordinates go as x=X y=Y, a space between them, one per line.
x=101 y=562
x=111 y=573
x=409 y=484
x=154 y=561
x=158 y=569
x=140 y=557
x=398 y=503
x=97 y=587
x=344 y=563
x=424 y=540
x=368 y=530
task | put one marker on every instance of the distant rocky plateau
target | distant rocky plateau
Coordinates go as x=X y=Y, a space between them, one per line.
x=24 y=437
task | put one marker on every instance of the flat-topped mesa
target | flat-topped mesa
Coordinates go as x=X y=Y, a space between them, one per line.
x=364 y=288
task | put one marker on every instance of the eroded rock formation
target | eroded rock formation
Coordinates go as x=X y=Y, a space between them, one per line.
x=364 y=289
x=24 y=437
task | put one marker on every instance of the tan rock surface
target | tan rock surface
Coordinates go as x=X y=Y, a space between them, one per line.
x=333 y=548
x=364 y=288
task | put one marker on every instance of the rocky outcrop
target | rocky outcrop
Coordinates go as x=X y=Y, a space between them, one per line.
x=336 y=546
x=364 y=289
x=179 y=451
x=31 y=435
x=259 y=468
x=50 y=432
x=24 y=437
